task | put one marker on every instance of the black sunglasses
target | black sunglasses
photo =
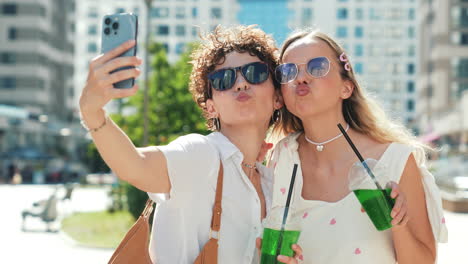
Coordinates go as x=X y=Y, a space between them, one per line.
x=316 y=67
x=224 y=79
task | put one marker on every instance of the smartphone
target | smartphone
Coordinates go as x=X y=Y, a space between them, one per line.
x=117 y=29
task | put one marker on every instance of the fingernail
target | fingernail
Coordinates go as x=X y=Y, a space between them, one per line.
x=282 y=258
x=392 y=214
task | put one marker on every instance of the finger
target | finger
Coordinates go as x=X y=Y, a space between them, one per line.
x=397 y=207
x=297 y=250
x=122 y=75
x=399 y=217
x=395 y=189
x=100 y=60
x=119 y=62
x=258 y=243
x=121 y=93
x=405 y=220
x=287 y=260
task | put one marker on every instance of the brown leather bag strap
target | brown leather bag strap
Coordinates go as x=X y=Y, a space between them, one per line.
x=217 y=208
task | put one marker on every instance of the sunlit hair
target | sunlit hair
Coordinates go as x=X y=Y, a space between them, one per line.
x=360 y=111
x=212 y=51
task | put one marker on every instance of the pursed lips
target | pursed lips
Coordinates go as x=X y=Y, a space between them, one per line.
x=243 y=96
x=302 y=89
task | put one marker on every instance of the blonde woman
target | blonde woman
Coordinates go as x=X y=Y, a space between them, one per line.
x=320 y=90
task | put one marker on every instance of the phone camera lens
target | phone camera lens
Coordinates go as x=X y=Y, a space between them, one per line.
x=115 y=25
x=107 y=21
x=107 y=31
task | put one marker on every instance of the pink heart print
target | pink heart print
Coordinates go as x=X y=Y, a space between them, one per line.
x=443 y=220
x=357 y=251
x=283 y=190
x=305 y=215
x=285 y=144
x=333 y=221
x=363 y=210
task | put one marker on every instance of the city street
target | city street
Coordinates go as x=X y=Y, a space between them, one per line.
x=35 y=245
x=38 y=246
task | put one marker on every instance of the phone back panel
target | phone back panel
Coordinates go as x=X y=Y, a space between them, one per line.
x=113 y=36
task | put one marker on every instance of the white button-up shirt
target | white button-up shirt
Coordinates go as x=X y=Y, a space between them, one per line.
x=182 y=218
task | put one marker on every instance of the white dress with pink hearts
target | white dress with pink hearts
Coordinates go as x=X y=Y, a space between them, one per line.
x=341 y=232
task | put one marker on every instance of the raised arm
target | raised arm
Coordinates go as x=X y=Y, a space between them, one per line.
x=145 y=168
x=414 y=242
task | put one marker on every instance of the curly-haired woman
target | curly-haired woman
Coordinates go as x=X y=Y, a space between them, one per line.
x=233 y=84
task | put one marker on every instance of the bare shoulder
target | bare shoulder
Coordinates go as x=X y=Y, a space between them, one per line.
x=372 y=148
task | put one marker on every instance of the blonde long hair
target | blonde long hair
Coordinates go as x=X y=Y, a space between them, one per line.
x=360 y=111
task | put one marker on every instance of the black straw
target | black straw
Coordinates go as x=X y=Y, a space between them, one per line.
x=286 y=209
x=363 y=162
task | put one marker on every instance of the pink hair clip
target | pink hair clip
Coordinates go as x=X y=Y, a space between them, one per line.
x=344 y=58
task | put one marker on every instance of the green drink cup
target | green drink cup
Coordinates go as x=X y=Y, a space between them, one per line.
x=376 y=202
x=276 y=241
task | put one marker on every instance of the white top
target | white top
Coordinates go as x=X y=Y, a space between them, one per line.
x=339 y=232
x=183 y=217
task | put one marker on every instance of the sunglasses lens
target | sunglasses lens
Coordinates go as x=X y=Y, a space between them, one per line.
x=318 y=67
x=285 y=73
x=222 y=80
x=255 y=73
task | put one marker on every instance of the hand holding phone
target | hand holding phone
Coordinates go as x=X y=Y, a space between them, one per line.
x=113 y=70
x=116 y=30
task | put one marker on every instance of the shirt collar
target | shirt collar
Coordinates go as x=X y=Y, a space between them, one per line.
x=224 y=146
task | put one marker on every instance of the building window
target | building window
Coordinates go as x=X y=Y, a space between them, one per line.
x=358 y=32
x=12 y=33
x=375 y=14
x=342 y=13
x=93 y=13
x=410 y=87
x=180 y=30
x=7 y=83
x=180 y=47
x=216 y=13
x=119 y=10
x=410 y=105
x=92 y=47
x=162 y=30
x=180 y=12
x=358 y=50
x=166 y=47
x=194 y=31
x=411 y=33
x=410 y=68
x=7 y=58
x=160 y=12
x=464 y=17
x=411 y=14
x=92 y=30
x=342 y=32
x=462 y=68
x=359 y=14
x=9 y=9
x=358 y=68
x=194 y=12
x=307 y=16
x=411 y=51
x=464 y=39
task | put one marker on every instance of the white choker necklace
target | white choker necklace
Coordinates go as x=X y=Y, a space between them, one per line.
x=320 y=144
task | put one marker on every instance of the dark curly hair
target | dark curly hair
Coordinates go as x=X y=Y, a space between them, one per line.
x=212 y=51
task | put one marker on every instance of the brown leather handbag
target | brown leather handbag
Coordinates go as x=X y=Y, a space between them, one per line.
x=134 y=246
